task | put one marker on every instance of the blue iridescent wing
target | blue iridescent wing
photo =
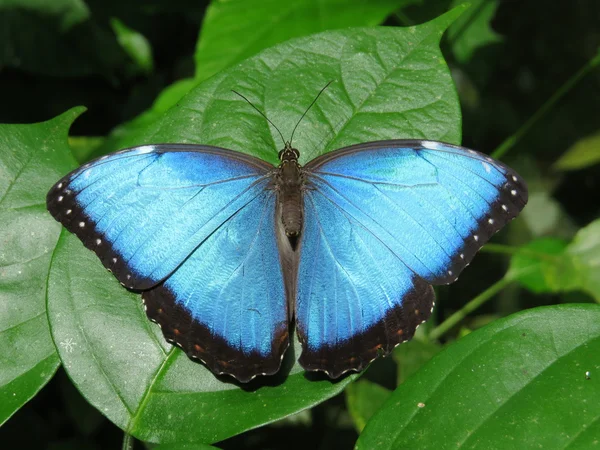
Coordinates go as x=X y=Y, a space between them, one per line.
x=383 y=222
x=226 y=305
x=144 y=210
x=193 y=226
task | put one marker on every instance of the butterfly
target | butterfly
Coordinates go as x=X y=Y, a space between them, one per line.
x=228 y=251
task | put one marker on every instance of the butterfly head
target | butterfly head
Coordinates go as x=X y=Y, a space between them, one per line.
x=288 y=153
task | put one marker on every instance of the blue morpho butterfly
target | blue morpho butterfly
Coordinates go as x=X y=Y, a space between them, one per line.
x=229 y=250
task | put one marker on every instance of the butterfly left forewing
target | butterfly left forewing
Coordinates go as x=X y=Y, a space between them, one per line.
x=145 y=209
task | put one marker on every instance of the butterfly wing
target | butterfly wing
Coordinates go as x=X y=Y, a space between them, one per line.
x=145 y=209
x=383 y=222
x=226 y=305
x=193 y=226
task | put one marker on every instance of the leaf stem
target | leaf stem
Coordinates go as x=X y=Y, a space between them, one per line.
x=128 y=441
x=512 y=140
x=403 y=19
x=459 y=315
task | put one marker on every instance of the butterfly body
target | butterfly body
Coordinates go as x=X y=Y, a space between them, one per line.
x=290 y=186
x=228 y=250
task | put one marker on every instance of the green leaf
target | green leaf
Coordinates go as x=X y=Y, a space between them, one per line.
x=550 y=265
x=545 y=215
x=83 y=147
x=117 y=358
x=472 y=30
x=411 y=355
x=364 y=103
x=584 y=253
x=535 y=264
x=135 y=45
x=120 y=362
x=236 y=29
x=584 y=153
x=364 y=398
x=32 y=157
x=166 y=99
x=521 y=382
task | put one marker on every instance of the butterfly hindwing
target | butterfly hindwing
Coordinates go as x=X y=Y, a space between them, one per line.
x=389 y=219
x=355 y=298
x=226 y=305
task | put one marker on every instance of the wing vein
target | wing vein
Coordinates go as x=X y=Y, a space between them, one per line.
x=367 y=228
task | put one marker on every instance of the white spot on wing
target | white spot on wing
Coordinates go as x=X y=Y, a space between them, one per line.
x=504 y=208
x=81 y=224
x=60 y=198
x=143 y=149
x=433 y=145
x=486 y=166
x=513 y=192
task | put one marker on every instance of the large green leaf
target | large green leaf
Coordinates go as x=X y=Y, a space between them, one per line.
x=411 y=355
x=364 y=398
x=528 y=381
x=390 y=83
x=32 y=157
x=235 y=30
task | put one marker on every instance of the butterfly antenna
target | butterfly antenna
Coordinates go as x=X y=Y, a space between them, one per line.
x=262 y=114
x=307 y=109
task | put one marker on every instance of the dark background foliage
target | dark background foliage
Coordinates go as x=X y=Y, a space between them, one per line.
x=50 y=62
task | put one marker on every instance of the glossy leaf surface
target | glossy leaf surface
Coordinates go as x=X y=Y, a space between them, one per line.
x=528 y=381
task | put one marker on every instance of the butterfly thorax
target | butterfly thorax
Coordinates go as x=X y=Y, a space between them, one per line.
x=289 y=188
